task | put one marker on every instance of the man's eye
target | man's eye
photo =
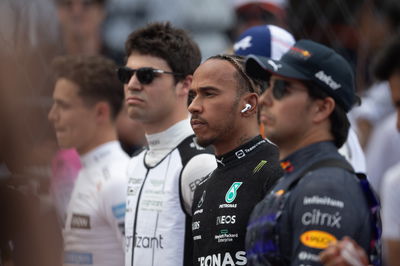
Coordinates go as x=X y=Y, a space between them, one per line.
x=191 y=97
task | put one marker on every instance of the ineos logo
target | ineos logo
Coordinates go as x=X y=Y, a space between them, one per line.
x=226 y=219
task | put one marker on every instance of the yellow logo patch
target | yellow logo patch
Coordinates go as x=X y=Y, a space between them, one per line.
x=317 y=239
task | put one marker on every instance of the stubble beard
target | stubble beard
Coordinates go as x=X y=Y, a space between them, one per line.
x=223 y=129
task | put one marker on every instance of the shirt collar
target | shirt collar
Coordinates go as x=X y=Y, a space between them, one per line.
x=98 y=153
x=240 y=152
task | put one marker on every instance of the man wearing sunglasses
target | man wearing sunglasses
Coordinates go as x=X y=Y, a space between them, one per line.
x=272 y=41
x=224 y=104
x=319 y=199
x=161 y=178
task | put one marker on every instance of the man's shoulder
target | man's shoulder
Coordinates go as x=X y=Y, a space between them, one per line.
x=189 y=148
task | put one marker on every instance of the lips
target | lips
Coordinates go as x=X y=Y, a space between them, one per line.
x=134 y=100
x=197 y=123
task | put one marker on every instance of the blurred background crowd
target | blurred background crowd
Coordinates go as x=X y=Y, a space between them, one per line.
x=33 y=32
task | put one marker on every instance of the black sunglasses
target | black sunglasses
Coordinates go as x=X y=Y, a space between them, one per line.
x=145 y=75
x=280 y=88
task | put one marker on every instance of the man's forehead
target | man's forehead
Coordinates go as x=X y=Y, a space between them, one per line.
x=214 y=70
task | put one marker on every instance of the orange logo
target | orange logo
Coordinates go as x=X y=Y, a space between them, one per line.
x=300 y=52
x=317 y=239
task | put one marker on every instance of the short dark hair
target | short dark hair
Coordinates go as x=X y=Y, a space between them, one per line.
x=388 y=60
x=245 y=82
x=96 y=78
x=166 y=42
x=339 y=121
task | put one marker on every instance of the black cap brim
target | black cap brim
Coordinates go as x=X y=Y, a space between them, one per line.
x=261 y=67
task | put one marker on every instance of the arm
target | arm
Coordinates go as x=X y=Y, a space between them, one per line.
x=113 y=196
x=322 y=212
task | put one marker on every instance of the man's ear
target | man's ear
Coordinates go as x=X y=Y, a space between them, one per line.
x=103 y=111
x=249 y=104
x=323 y=109
x=183 y=86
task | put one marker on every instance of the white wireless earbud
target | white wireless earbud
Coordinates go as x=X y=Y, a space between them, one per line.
x=246 y=108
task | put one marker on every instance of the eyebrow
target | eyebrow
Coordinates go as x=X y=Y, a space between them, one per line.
x=205 y=88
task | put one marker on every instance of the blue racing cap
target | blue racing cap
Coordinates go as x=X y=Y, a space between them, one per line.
x=310 y=61
x=265 y=40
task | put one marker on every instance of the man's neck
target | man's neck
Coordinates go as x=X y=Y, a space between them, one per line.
x=155 y=127
x=96 y=141
x=286 y=149
x=227 y=146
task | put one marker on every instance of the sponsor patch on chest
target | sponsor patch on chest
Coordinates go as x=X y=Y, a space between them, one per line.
x=80 y=221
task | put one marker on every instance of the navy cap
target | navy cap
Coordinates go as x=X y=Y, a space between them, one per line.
x=310 y=61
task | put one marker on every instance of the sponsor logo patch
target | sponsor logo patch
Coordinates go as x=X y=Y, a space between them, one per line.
x=232 y=192
x=80 y=221
x=197 y=237
x=220 y=259
x=198 y=211
x=274 y=65
x=118 y=210
x=308 y=256
x=195 y=225
x=259 y=166
x=240 y=154
x=316 y=217
x=226 y=205
x=201 y=201
x=327 y=80
x=317 y=239
x=226 y=219
x=78 y=258
x=326 y=201
x=225 y=236
x=243 y=43
x=299 y=53
x=149 y=241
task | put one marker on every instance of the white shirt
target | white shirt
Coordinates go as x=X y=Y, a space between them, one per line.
x=391 y=204
x=383 y=150
x=161 y=182
x=353 y=152
x=93 y=233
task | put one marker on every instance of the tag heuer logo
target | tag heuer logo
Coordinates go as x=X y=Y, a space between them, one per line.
x=232 y=191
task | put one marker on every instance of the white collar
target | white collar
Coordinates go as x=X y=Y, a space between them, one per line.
x=160 y=144
x=98 y=153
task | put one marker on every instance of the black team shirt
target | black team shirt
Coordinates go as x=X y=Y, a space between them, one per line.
x=224 y=200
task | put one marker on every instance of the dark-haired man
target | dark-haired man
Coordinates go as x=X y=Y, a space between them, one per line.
x=87 y=99
x=160 y=62
x=319 y=199
x=387 y=67
x=224 y=114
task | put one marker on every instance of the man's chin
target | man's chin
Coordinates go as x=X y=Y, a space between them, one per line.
x=204 y=142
